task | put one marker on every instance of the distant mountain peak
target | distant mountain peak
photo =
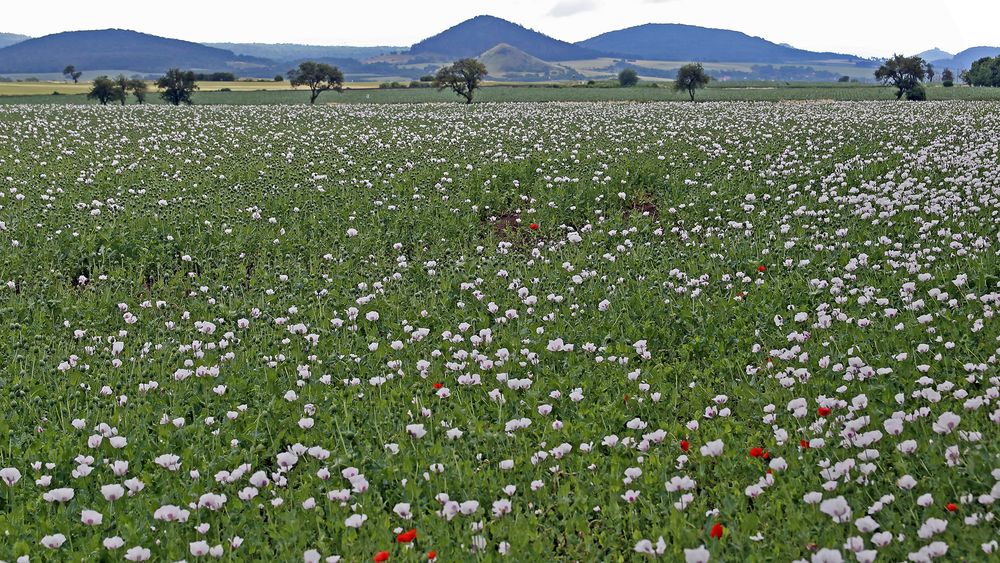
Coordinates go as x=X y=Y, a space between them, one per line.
x=11 y=38
x=477 y=35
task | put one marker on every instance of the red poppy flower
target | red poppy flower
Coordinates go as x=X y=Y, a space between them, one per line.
x=823 y=411
x=761 y=268
x=804 y=444
x=534 y=226
x=407 y=537
x=626 y=398
x=438 y=386
x=756 y=452
x=432 y=555
x=685 y=445
x=717 y=531
x=381 y=556
x=952 y=507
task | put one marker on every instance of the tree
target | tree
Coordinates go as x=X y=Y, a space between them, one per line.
x=122 y=83
x=947 y=78
x=138 y=88
x=691 y=77
x=279 y=78
x=177 y=86
x=966 y=77
x=463 y=77
x=628 y=78
x=73 y=74
x=844 y=78
x=105 y=90
x=320 y=77
x=930 y=73
x=917 y=94
x=905 y=73
x=985 y=72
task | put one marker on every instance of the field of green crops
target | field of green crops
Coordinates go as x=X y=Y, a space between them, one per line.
x=523 y=332
x=719 y=91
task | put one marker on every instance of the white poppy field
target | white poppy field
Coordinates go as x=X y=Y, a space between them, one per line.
x=525 y=332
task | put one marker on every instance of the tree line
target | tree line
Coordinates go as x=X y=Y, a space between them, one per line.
x=465 y=76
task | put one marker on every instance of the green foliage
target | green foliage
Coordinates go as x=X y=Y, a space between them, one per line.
x=905 y=73
x=462 y=77
x=71 y=73
x=628 y=78
x=947 y=78
x=105 y=91
x=917 y=93
x=690 y=78
x=985 y=72
x=215 y=77
x=177 y=86
x=319 y=77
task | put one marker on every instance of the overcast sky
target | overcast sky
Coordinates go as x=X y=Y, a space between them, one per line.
x=863 y=27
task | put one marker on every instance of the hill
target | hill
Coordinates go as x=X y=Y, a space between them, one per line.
x=294 y=51
x=506 y=62
x=481 y=33
x=117 y=49
x=935 y=54
x=11 y=38
x=964 y=60
x=677 y=42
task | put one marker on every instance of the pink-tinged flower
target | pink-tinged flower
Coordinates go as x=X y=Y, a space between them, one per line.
x=137 y=554
x=355 y=520
x=646 y=547
x=54 y=541
x=10 y=476
x=712 y=449
x=91 y=517
x=59 y=495
x=198 y=548
x=112 y=492
x=697 y=555
x=836 y=508
x=211 y=501
x=112 y=543
x=946 y=423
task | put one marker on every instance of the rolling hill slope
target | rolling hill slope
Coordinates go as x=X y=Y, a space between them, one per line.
x=510 y=63
x=677 y=42
x=481 y=33
x=117 y=49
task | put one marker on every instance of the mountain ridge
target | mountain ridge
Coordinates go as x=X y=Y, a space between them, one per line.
x=681 y=42
x=117 y=48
